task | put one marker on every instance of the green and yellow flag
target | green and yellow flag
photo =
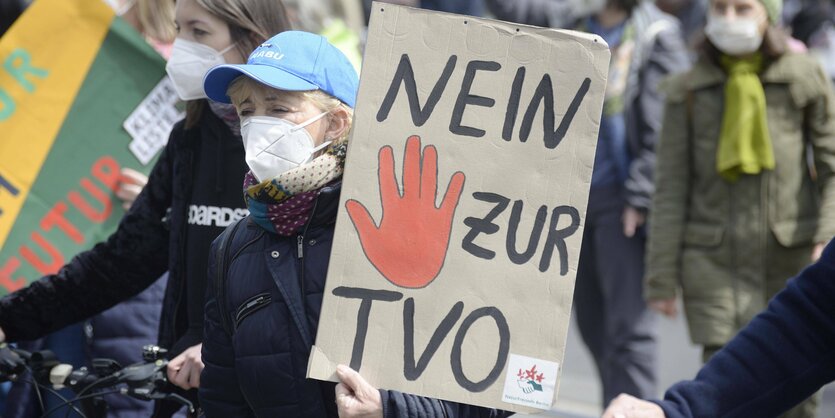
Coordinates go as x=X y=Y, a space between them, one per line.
x=82 y=95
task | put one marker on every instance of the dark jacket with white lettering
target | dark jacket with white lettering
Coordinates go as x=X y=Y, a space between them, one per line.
x=273 y=294
x=150 y=239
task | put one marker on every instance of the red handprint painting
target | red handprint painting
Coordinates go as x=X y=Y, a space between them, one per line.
x=409 y=245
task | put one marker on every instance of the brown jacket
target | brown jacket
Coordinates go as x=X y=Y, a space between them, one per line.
x=730 y=246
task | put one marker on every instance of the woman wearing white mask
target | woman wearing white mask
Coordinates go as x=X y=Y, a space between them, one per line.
x=295 y=97
x=745 y=193
x=192 y=194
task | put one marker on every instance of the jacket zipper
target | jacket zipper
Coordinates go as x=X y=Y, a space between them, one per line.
x=251 y=306
x=300 y=243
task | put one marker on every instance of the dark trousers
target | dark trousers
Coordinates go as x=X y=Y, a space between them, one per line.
x=615 y=322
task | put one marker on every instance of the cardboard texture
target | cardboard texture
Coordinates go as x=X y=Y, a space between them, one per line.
x=462 y=208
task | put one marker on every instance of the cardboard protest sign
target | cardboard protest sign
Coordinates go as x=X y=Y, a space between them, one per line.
x=72 y=75
x=463 y=201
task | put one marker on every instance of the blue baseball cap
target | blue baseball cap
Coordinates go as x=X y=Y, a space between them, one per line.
x=293 y=61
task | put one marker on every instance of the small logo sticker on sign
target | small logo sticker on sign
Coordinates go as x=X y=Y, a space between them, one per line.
x=530 y=382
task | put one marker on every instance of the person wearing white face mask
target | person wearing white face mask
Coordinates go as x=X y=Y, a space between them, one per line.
x=738 y=31
x=274 y=145
x=295 y=97
x=192 y=194
x=745 y=173
x=189 y=59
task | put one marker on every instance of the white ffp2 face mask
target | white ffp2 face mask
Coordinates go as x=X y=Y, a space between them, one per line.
x=189 y=62
x=739 y=36
x=274 y=146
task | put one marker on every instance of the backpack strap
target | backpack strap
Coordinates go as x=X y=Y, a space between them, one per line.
x=222 y=257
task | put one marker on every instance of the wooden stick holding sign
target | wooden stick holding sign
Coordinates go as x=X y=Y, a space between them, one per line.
x=458 y=284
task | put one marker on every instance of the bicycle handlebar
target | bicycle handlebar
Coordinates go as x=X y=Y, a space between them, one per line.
x=142 y=380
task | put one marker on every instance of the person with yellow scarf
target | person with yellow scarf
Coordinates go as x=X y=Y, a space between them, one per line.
x=745 y=177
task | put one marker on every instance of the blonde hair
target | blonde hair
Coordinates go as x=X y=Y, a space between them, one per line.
x=243 y=87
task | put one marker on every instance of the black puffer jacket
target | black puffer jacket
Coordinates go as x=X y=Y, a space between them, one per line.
x=273 y=294
x=150 y=239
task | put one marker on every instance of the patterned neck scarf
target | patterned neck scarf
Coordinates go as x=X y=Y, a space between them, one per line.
x=283 y=205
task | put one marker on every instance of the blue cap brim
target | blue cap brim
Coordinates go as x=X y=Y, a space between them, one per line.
x=217 y=80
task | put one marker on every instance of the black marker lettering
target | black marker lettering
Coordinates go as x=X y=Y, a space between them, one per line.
x=545 y=93
x=536 y=232
x=412 y=370
x=485 y=225
x=465 y=98
x=513 y=104
x=501 y=358
x=556 y=238
x=406 y=75
x=367 y=296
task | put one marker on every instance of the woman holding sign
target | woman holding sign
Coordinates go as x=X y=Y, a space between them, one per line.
x=295 y=97
x=745 y=192
x=192 y=194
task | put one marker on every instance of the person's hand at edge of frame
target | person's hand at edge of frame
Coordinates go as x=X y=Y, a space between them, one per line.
x=184 y=370
x=355 y=397
x=131 y=183
x=626 y=406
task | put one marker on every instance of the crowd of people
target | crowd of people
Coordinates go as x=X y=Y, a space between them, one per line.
x=714 y=183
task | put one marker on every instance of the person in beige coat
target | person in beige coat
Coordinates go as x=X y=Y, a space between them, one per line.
x=745 y=192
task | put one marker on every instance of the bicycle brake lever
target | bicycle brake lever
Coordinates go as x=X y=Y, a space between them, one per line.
x=149 y=390
x=177 y=398
x=152 y=395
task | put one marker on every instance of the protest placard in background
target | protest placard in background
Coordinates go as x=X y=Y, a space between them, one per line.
x=72 y=74
x=149 y=125
x=463 y=201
